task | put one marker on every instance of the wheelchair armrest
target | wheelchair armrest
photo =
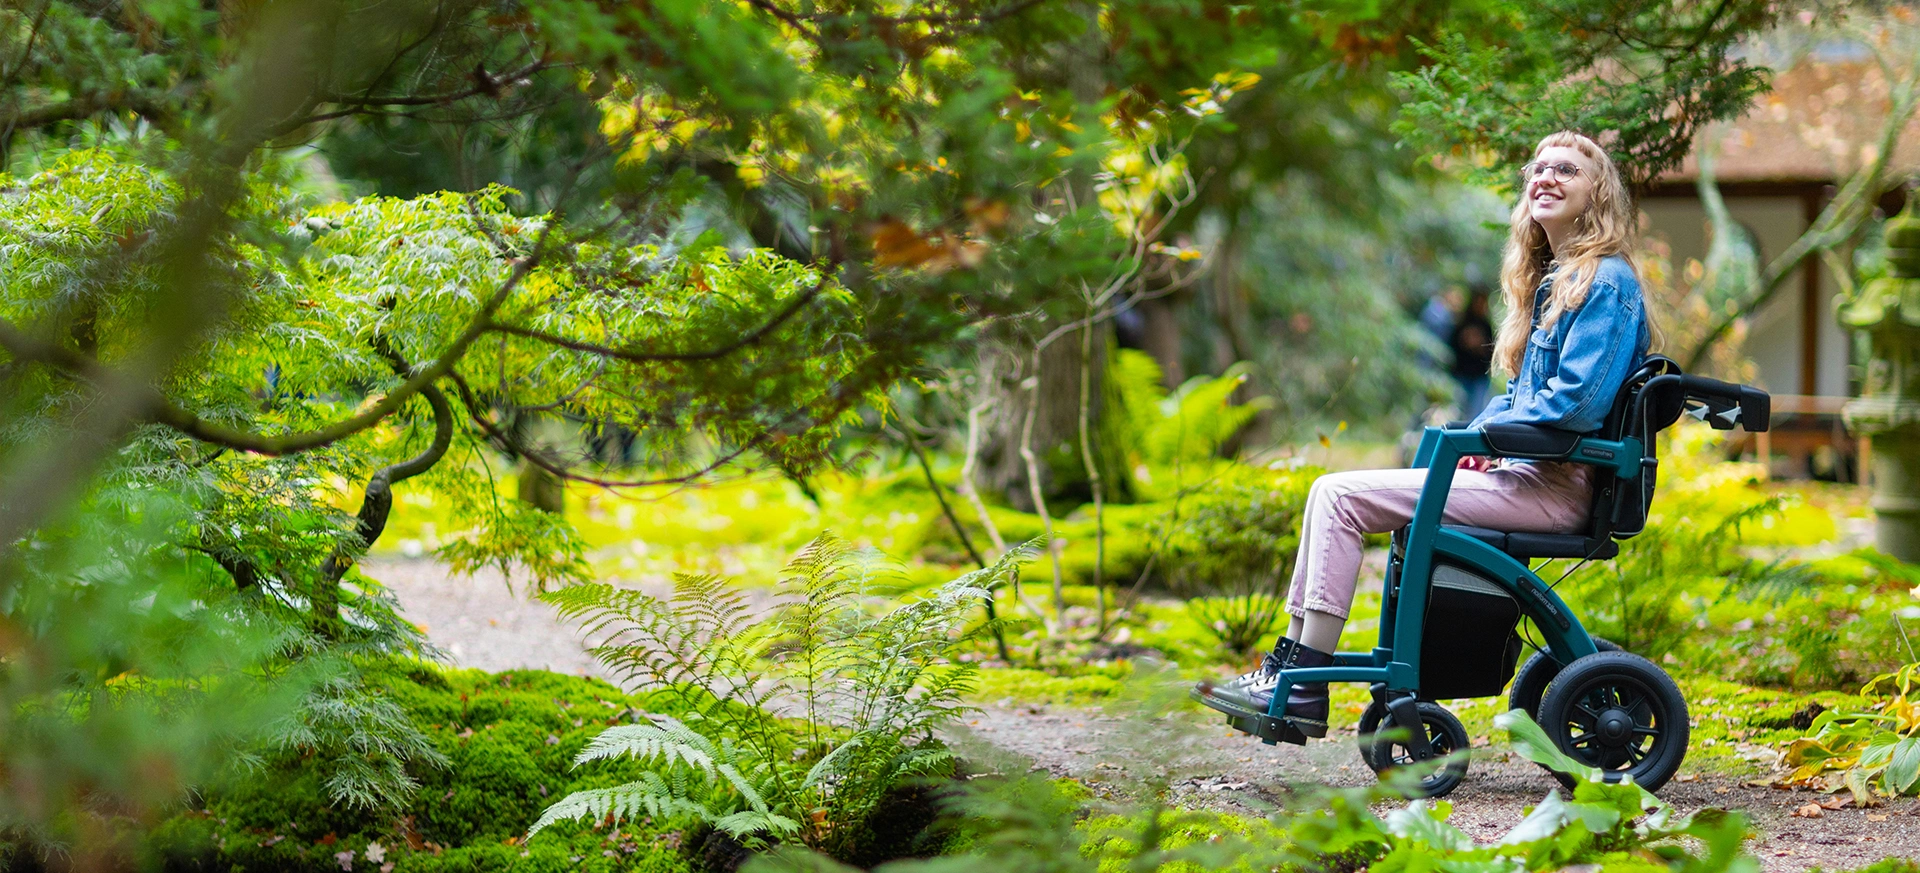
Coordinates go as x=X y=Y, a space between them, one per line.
x=1530 y=441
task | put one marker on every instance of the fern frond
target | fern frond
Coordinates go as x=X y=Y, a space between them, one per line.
x=666 y=739
x=748 y=823
x=743 y=786
x=821 y=769
x=649 y=795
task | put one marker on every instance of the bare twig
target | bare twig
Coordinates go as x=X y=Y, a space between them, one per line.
x=1095 y=481
x=907 y=435
x=1039 y=497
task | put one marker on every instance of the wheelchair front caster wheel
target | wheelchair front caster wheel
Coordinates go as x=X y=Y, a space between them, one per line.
x=1619 y=712
x=1368 y=726
x=1385 y=752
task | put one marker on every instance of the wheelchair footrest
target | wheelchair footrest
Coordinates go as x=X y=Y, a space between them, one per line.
x=1267 y=728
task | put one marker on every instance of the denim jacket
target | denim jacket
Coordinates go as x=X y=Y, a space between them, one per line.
x=1571 y=371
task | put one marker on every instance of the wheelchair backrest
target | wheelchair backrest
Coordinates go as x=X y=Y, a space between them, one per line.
x=1650 y=401
x=1620 y=505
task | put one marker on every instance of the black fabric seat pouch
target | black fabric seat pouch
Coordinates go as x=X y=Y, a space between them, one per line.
x=1468 y=647
x=1524 y=546
x=1539 y=545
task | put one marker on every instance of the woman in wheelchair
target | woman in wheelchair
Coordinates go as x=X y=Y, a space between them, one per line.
x=1575 y=329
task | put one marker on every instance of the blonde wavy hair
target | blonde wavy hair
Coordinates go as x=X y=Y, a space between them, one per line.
x=1606 y=228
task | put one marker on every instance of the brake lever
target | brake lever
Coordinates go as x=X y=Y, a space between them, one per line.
x=1719 y=416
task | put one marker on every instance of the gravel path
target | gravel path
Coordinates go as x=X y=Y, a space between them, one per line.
x=1213 y=766
x=481 y=622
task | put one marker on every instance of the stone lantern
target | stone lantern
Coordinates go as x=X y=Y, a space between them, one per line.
x=1888 y=410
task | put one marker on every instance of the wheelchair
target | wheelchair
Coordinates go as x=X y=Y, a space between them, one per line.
x=1455 y=596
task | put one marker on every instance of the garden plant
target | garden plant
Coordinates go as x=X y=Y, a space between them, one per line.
x=617 y=306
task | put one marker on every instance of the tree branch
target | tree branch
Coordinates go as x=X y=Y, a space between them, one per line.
x=376 y=502
x=539 y=459
x=489 y=86
x=159 y=410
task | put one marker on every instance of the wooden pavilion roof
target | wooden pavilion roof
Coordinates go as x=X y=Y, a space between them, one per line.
x=1817 y=125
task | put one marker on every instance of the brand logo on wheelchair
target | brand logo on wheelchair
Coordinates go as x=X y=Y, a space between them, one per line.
x=1542 y=602
x=1593 y=452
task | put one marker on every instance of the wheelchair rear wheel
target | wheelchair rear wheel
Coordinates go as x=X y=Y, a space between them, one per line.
x=1530 y=684
x=1445 y=735
x=1621 y=713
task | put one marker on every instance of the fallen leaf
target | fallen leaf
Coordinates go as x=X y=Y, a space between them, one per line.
x=1811 y=810
x=1840 y=802
x=1687 y=777
x=1876 y=816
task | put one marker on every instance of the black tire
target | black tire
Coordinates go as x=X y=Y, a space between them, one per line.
x=1621 y=713
x=1368 y=726
x=1530 y=684
x=1446 y=735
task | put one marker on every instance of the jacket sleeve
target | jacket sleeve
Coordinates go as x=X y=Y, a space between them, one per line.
x=1595 y=358
x=1497 y=406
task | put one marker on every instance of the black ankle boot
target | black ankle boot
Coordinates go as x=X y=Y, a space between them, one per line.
x=1247 y=694
x=1270 y=663
x=1308 y=703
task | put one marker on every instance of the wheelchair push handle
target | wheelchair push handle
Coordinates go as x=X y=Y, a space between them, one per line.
x=1722 y=405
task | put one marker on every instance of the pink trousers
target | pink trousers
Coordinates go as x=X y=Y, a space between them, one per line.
x=1536 y=498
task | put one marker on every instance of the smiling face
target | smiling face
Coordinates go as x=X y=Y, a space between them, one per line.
x=1555 y=204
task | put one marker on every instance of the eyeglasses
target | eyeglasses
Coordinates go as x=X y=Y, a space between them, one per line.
x=1563 y=172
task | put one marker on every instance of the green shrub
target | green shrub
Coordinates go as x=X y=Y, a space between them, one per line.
x=509 y=740
x=1712 y=583
x=1230 y=549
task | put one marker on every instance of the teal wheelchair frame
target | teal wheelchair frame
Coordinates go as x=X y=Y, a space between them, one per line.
x=1454 y=598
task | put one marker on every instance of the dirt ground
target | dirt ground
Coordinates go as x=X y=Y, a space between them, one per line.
x=480 y=622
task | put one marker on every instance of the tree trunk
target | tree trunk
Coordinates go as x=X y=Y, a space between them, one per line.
x=1161 y=323
x=1056 y=428
x=541 y=488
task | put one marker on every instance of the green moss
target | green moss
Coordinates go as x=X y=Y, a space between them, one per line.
x=1029 y=686
x=1736 y=728
x=1887 y=865
x=510 y=739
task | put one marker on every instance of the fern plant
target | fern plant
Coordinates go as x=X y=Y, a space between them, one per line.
x=800 y=717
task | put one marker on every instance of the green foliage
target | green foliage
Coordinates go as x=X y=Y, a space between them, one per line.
x=1645 y=75
x=365 y=740
x=1329 y=321
x=508 y=741
x=1693 y=586
x=124 y=671
x=1871 y=751
x=1186 y=426
x=865 y=692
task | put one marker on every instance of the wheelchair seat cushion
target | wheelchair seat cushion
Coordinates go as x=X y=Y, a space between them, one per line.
x=1524 y=546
